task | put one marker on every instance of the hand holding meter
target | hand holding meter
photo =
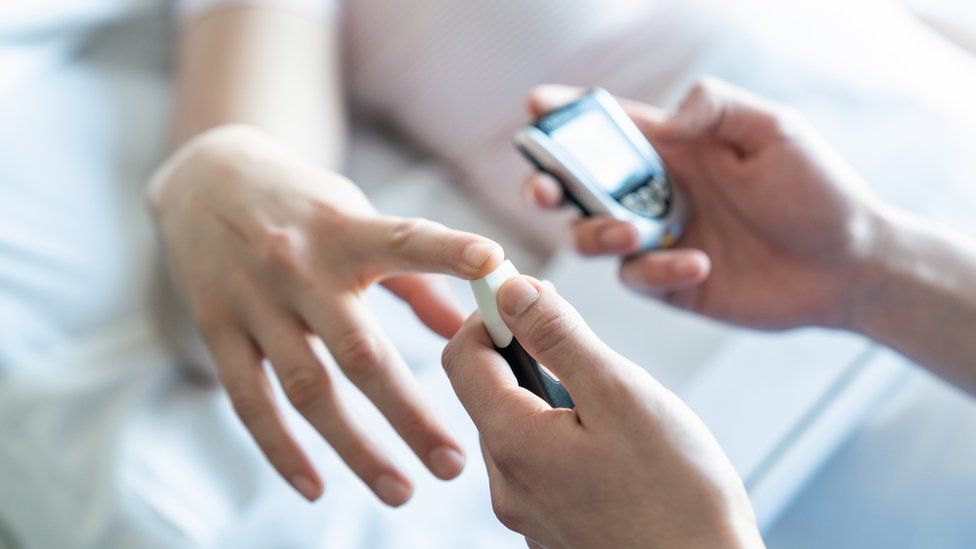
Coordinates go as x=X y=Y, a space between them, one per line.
x=606 y=166
x=527 y=370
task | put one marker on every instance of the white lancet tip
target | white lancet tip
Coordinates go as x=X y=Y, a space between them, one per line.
x=485 y=290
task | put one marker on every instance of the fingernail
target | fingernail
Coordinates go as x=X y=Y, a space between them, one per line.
x=631 y=277
x=393 y=491
x=686 y=267
x=517 y=295
x=478 y=253
x=305 y=487
x=446 y=462
x=617 y=236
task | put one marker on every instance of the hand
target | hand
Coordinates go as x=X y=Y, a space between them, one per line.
x=269 y=251
x=631 y=466
x=781 y=227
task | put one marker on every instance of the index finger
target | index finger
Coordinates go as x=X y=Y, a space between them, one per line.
x=483 y=381
x=398 y=244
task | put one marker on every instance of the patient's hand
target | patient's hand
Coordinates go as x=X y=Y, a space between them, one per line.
x=631 y=466
x=781 y=227
x=269 y=251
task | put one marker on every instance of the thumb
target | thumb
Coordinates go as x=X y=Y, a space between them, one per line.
x=714 y=108
x=555 y=334
x=547 y=97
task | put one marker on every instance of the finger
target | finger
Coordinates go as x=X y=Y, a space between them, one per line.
x=484 y=383
x=247 y=386
x=659 y=272
x=553 y=332
x=605 y=235
x=547 y=97
x=431 y=299
x=542 y=191
x=731 y=114
x=369 y=360
x=307 y=386
x=399 y=244
x=647 y=118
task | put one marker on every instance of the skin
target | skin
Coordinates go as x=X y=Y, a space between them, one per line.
x=779 y=225
x=630 y=466
x=270 y=249
x=784 y=234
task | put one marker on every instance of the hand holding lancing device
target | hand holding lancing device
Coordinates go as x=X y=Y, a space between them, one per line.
x=630 y=466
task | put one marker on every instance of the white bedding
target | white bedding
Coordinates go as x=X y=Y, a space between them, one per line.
x=107 y=443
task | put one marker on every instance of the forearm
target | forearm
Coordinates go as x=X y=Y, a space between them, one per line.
x=918 y=296
x=270 y=67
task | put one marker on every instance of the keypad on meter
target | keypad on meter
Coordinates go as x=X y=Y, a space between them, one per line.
x=651 y=199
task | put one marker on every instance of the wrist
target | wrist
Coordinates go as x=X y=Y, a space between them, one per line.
x=733 y=526
x=877 y=270
x=737 y=534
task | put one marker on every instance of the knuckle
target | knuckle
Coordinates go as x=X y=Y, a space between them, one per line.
x=450 y=356
x=405 y=230
x=788 y=120
x=210 y=323
x=414 y=422
x=305 y=388
x=505 y=513
x=359 y=353
x=507 y=453
x=248 y=407
x=552 y=330
x=326 y=217
x=704 y=87
x=281 y=250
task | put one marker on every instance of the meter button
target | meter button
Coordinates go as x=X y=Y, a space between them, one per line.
x=646 y=194
x=646 y=201
x=660 y=185
x=632 y=202
x=654 y=208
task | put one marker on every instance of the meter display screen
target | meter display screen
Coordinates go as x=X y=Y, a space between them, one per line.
x=602 y=149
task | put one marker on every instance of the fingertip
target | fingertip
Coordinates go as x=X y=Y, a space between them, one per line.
x=517 y=294
x=542 y=191
x=546 y=97
x=619 y=237
x=393 y=490
x=309 y=486
x=446 y=462
x=482 y=257
x=692 y=266
x=605 y=236
x=665 y=270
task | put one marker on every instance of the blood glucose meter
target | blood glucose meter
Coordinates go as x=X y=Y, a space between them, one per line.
x=606 y=166
x=527 y=370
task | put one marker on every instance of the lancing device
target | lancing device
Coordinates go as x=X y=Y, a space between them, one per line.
x=527 y=370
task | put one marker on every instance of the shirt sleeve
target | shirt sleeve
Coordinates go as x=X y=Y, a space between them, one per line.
x=188 y=9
